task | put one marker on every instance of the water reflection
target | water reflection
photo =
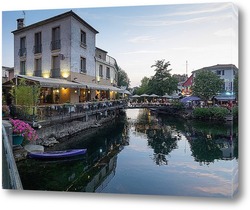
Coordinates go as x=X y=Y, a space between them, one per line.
x=195 y=158
x=86 y=174
x=208 y=141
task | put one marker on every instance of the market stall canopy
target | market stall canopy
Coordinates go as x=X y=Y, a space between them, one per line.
x=190 y=98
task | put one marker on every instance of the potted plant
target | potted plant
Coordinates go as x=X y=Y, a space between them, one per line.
x=22 y=132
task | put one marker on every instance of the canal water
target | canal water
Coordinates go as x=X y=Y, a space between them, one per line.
x=143 y=153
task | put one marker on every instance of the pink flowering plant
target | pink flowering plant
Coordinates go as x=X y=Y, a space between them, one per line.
x=24 y=129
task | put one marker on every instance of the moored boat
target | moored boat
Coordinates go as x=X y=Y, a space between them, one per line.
x=57 y=154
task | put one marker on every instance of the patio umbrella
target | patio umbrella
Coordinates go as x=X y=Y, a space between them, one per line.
x=190 y=98
x=135 y=96
x=144 y=96
x=153 y=95
x=166 y=96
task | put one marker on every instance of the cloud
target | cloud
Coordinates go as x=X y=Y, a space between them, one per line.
x=142 y=52
x=156 y=23
x=213 y=9
x=141 y=39
x=229 y=32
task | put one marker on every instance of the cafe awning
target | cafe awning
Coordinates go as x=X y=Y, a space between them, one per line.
x=95 y=86
x=52 y=82
x=227 y=96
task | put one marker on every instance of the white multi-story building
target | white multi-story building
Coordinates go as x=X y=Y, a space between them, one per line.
x=226 y=72
x=64 y=48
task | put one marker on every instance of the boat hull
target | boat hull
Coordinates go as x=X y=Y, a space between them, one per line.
x=57 y=154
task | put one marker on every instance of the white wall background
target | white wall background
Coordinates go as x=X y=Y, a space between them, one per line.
x=56 y=200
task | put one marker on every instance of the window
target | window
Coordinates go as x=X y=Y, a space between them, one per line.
x=22 y=50
x=83 y=39
x=56 y=42
x=55 y=71
x=38 y=67
x=222 y=72
x=100 y=71
x=108 y=73
x=23 y=67
x=116 y=77
x=218 y=72
x=83 y=65
x=230 y=86
x=38 y=43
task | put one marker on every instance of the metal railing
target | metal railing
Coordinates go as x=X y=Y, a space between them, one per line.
x=22 y=52
x=38 y=73
x=67 y=111
x=55 y=45
x=55 y=73
x=37 y=48
x=10 y=174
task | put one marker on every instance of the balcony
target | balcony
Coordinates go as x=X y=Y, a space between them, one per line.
x=22 y=52
x=38 y=73
x=55 y=45
x=55 y=73
x=22 y=72
x=37 y=49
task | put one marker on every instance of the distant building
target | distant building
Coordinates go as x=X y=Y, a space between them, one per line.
x=226 y=72
x=7 y=73
x=64 y=48
x=186 y=86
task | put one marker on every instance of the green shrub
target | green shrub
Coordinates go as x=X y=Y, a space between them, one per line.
x=235 y=112
x=177 y=105
x=217 y=113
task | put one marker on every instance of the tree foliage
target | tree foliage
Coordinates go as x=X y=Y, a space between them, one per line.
x=206 y=84
x=25 y=94
x=162 y=82
x=143 y=87
x=123 y=79
x=236 y=85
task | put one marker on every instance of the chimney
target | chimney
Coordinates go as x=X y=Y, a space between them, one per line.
x=20 y=23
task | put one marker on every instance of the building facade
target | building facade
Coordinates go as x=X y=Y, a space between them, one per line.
x=7 y=73
x=64 y=48
x=226 y=72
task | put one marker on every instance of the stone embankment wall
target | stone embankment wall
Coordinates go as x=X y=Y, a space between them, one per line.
x=51 y=134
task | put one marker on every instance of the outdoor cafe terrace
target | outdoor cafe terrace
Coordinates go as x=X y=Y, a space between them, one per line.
x=44 y=114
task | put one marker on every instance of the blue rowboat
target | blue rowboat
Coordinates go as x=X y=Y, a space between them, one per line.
x=57 y=154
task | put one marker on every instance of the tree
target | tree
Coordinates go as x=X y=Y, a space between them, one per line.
x=206 y=84
x=143 y=87
x=162 y=82
x=123 y=79
x=236 y=83
x=25 y=96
